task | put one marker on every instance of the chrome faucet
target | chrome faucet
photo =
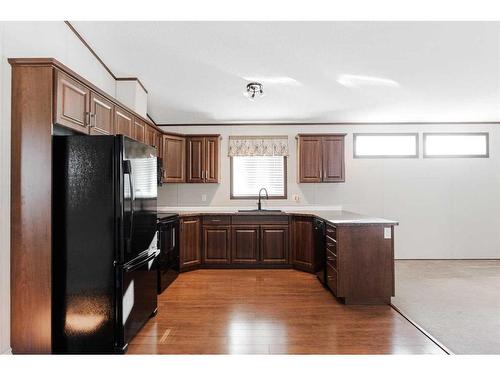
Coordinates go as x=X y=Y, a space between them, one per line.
x=259 y=205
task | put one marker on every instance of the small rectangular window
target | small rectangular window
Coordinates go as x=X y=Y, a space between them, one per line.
x=251 y=173
x=456 y=145
x=386 y=145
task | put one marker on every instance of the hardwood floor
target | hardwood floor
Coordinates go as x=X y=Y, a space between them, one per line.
x=270 y=312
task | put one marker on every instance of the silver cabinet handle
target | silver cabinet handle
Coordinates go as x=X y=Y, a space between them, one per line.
x=92 y=116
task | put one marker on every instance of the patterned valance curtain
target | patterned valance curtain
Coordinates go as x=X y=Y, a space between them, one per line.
x=258 y=146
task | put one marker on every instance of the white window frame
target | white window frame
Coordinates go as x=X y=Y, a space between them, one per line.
x=415 y=135
x=485 y=134
x=256 y=196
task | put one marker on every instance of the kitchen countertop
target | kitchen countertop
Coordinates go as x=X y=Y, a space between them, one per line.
x=336 y=217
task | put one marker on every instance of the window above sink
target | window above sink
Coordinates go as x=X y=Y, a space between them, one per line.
x=258 y=162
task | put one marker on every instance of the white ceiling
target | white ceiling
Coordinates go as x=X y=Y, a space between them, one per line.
x=196 y=72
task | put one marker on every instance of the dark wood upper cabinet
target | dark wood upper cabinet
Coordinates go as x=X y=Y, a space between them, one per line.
x=202 y=159
x=321 y=158
x=217 y=244
x=274 y=244
x=212 y=159
x=303 y=243
x=101 y=115
x=190 y=242
x=174 y=164
x=245 y=244
x=124 y=122
x=72 y=103
x=151 y=137
x=310 y=159
x=333 y=159
x=195 y=159
x=139 y=130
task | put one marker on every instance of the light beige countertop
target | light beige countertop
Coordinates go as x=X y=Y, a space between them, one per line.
x=336 y=217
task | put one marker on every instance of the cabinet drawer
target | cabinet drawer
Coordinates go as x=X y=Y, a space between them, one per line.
x=261 y=219
x=216 y=220
x=331 y=278
x=331 y=231
x=331 y=259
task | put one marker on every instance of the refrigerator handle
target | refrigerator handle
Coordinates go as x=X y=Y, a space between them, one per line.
x=134 y=266
x=127 y=169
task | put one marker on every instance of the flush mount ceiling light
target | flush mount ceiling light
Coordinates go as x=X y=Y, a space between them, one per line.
x=254 y=89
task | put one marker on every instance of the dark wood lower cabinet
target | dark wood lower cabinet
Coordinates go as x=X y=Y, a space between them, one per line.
x=360 y=263
x=359 y=259
x=303 y=243
x=190 y=243
x=274 y=244
x=245 y=244
x=216 y=244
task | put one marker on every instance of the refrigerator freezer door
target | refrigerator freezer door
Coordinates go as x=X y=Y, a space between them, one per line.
x=139 y=301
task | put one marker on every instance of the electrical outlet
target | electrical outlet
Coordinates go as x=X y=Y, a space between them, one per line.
x=203 y=197
x=296 y=198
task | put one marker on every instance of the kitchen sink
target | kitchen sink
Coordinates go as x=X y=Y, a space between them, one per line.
x=264 y=210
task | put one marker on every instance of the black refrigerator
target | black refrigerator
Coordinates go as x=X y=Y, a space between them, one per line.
x=104 y=277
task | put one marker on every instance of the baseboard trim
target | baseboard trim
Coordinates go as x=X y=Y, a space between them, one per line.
x=403 y=259
x=417 y=326
x=8 y=351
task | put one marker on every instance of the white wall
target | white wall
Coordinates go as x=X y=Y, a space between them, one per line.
x=32 y=39
x=132 y=95
x=447 y=208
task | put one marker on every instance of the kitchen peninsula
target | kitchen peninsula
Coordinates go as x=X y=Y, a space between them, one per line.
x=353 y=255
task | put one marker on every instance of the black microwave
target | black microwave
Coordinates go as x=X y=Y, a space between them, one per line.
x=160 y=170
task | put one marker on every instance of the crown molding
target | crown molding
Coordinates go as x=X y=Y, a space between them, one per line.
x=94 y=53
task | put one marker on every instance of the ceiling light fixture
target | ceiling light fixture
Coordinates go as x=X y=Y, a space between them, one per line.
x=254 y=89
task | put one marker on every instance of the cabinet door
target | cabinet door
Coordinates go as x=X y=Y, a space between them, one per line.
x=72 y=104
x=216 y=244
x=174 y=151
x=195 y=159
x=310 y=159
x=245 y=244
x=139 y=130
x=101 y=115
x=123 y=122
x=212 y=159
x=159 y=142
x=333 y=159
x=303 y=243
x=190 y=244
x=151 y=136
x=274 y=244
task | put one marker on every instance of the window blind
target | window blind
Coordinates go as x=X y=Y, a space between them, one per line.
x=251 y=173
x=144 y=174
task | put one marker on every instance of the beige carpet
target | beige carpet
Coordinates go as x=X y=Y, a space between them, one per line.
x=456 y=301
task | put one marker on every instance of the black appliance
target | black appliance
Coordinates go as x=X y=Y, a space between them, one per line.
x=104 y=242
x=160 y=170
x=320 y=249
x=168 y=260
